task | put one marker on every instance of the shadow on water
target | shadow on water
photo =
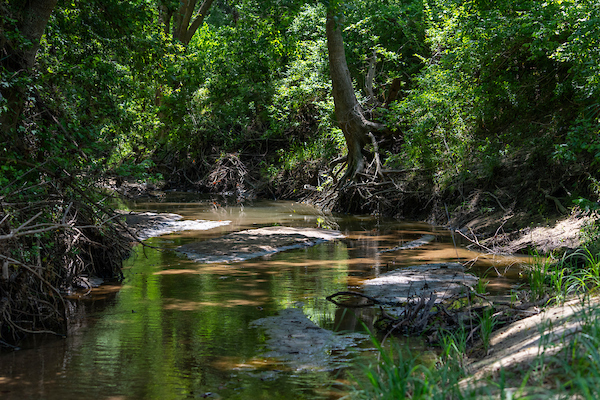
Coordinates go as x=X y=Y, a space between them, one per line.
x=180 y=329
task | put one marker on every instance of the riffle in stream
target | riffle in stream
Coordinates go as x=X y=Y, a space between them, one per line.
x=176 y=328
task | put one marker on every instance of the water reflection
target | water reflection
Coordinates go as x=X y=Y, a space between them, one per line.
x=180 y=329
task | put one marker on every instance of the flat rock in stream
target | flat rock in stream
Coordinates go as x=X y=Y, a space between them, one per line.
x=148 y=224
x=423 y=240
x=244 y=245
x=304 y=346
x=401 y=285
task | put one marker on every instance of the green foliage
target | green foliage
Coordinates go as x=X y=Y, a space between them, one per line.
x=394 y=30
x=538 y=274
x=95 y=66
x=233 y=85
x=586 y=277
x=461 y=86
x=481 y=286
x=575 y=274
x=399 y=375
x=582 y=140
x=487 y=322
x=454 y=345
x=501 y=76
x=301 y=99
x=262 y=80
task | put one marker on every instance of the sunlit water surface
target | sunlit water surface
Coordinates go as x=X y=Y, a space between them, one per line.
x=178 y=329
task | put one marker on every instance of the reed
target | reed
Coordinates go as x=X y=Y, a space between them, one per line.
x=487 y=322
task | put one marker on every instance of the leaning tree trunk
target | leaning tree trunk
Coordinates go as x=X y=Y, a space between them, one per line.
x=348 y=110
x=17 y=57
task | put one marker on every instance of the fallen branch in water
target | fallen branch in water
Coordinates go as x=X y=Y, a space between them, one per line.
x=357 y=294
x=414 y=318
x=474 y=240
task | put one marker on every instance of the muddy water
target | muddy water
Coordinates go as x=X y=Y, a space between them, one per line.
x=177 y=329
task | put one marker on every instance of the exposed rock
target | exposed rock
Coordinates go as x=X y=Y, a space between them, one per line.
x=244 y=245
x=302 y=345
x=147 y=224
x=423 y=240
x=399 y=286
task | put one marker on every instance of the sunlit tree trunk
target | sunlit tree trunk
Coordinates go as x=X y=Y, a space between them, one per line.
x=185 y=20
x=17 y=56
x=348 y=110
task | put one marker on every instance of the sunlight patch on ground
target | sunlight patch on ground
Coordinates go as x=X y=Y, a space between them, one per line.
x=522 y=341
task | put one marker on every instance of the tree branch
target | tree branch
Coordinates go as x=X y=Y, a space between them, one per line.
x=202 y=13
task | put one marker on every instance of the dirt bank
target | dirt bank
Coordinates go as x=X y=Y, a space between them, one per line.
x=518 y=344
x=509 y=233
x=541 y=329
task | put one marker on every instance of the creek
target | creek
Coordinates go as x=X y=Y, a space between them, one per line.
x=179 y=329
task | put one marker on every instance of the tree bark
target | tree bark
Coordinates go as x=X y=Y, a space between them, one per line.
x=17 y=58
x=184 y=27
x=348 y=111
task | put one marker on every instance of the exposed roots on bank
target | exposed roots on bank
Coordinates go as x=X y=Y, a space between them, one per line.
x=382 y=192
x=55 y=233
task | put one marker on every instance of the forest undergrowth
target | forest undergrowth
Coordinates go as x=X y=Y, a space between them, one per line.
x=58 y=233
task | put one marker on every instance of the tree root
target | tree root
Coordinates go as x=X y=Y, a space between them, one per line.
x=52 y=232
x=428 y=317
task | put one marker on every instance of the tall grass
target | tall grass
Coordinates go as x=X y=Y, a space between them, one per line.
x=575 y=273
x=573 y=373
x=399 y=375
x=454 y=344
x=537 y=274
x=481 y=286
x=487 y=322
x=583 y=278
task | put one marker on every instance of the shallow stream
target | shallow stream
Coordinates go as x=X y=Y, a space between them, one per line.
x=179 y=329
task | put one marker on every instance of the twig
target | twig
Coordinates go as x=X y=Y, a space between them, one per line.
x=474 y=240
x=42 y=279
x=498 y=201
x=348 y=293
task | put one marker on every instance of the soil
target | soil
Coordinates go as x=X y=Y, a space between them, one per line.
x=509 y=233
x=548 y=329
x=519 y=343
